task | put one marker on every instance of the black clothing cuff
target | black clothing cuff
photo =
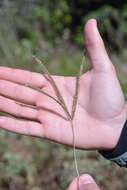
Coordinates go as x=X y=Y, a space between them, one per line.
x=120 y=148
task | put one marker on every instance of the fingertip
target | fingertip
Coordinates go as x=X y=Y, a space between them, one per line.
x=91 y=20
x=95 y=47
x=86 y=182
x=90 y=24
x=86 y=179
x=81 y=182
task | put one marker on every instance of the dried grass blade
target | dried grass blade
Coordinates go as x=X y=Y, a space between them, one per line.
x=9 y=115
x=54 y=86
x=75 y=97
x=2 y=113
x=45 y=93
x=25 y=105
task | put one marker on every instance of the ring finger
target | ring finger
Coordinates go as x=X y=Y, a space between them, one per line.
x=11 y=107
x=18 y=92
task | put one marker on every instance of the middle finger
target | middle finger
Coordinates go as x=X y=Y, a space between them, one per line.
x=18 y=92
x=11 y=107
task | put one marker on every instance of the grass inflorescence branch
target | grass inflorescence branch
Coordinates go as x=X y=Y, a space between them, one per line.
x=61 y=102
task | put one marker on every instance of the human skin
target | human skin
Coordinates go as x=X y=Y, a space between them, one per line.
x=101 y=110
x=85 y=182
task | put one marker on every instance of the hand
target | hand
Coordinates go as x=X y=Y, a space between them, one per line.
x=101 y=110
x=85 y=182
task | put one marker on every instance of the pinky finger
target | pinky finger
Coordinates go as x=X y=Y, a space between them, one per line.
x=22 y=126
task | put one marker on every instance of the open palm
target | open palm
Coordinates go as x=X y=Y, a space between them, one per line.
x=101 y=109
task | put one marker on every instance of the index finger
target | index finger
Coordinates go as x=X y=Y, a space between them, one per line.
x=23 y=77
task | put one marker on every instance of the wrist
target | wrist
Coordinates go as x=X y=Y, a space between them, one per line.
x=119 y=153
x=115 y=127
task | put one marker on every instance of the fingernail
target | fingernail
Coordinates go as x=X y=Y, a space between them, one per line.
x=84 y=180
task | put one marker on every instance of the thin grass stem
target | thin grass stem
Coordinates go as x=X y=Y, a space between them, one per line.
x=48 y=95
x=74 y=153
x=61 y=102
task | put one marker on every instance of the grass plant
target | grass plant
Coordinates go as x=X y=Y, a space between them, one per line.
x=60 y=101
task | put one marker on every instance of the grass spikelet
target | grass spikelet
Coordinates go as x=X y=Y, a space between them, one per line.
x=54 y=86
x=75 y=98
x=61 y=102
x=63 y=105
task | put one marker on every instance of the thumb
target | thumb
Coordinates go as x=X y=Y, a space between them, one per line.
x=85 y=182
x=95 y=47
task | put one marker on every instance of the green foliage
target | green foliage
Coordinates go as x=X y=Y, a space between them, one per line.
x=53 y=18
x=113 y=24
x=53 y=21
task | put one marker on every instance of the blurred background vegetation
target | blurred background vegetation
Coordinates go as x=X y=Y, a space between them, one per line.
x=53 y=30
